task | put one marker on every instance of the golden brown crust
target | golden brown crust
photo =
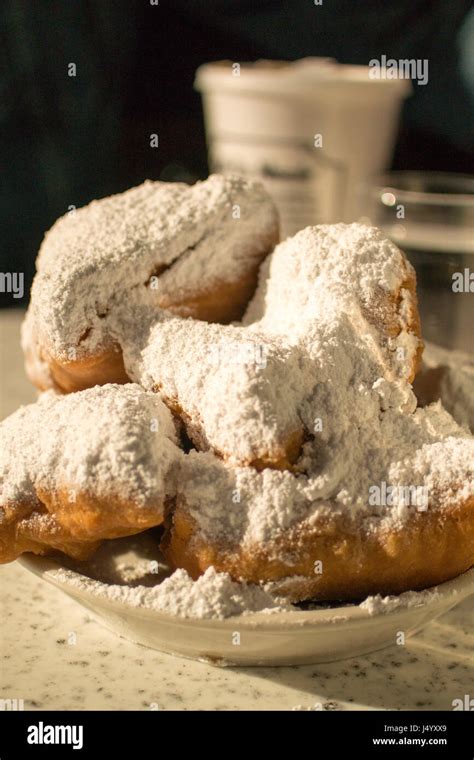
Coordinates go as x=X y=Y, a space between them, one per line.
x=386 y=315
x=224 y=303
x=90 y=517
x=72 y=522
x=283 y=459
x=413 y=318
x=71 y=376
x=430 y=548
x=29 y=528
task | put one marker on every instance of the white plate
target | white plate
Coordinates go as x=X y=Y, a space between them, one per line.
x=281 y=638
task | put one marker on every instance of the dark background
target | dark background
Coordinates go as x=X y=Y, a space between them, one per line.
x=66 y=140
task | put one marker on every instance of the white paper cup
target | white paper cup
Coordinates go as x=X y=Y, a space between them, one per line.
x=312 y=131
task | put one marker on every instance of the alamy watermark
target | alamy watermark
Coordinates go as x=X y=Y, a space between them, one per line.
x=239 y=353
x=404 y=68
x=464 y=703
x=12 y=282
x=384 y=495
x=11 y=705
x=41 y=733
x=463 y=282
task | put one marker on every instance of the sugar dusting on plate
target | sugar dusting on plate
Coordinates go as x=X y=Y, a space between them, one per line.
x=131 y=571
x=213 y=595
x=378 y=604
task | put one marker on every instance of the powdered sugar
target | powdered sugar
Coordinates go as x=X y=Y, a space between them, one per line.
x=382 y=605
x=238 y=408
x=96 y=257
x=110 y=440
x=353 y=259
x=333 y=369
x=132 y=572
x=318 y=321
x=238 y=506
x=213 y=595
x=339 y=379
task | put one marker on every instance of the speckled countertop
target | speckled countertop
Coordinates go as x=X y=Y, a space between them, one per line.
x=54 y=656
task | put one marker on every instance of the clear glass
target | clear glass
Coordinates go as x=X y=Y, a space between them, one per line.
x=431 y=217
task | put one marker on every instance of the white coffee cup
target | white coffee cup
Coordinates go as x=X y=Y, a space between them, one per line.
x=313 y=131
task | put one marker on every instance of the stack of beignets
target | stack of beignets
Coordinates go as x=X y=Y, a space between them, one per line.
x=285 y=448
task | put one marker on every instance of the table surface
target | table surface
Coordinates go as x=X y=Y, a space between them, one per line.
x=54 y=656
